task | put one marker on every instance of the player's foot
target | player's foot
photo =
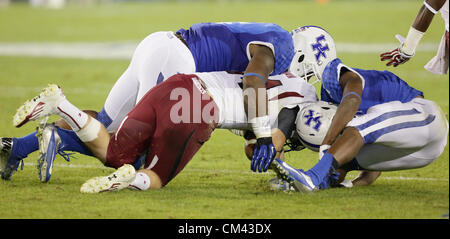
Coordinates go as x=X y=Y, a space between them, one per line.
x=118 y=180
x=49 y=142
x=9 y=162
x=330 y=181
x=296 y=177
x=278 y=184
x=40 y=106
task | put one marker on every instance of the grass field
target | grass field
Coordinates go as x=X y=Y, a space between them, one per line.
x=217 y=183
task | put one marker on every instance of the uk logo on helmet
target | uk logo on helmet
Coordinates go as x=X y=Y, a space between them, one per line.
x=320 y=48
x=310 y=118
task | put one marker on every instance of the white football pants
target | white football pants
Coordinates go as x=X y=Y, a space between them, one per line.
x=156 y=58
x=401 y=135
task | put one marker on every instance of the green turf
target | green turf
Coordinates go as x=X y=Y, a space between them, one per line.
x=349 y=21
x=217 y=183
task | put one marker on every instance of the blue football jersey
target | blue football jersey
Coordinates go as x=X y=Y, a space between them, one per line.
x=379 y=86
x=224 y=46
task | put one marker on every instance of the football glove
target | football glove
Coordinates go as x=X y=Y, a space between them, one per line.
x=263 y=154
x=396 y=57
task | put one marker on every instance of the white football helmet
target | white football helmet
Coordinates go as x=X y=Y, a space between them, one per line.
x=313 y=122
x=314 y=49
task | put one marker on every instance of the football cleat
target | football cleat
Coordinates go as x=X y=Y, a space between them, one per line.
x=116 y=181
x=49 y=142
x=40 y=106
x=296 y=177
x=278 y=184
x=9 y=163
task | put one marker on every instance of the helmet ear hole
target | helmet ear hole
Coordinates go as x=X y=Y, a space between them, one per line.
x=301 y=58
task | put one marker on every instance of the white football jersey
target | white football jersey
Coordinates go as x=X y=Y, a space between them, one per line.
x=285 y=90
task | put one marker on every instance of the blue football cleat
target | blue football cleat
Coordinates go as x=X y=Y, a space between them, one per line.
x=296 y=177
x=9 y=162
x=49 y=142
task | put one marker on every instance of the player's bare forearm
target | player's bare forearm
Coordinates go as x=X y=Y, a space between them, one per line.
x=352 y=85
x=278 y=139
x=425 y=16
x=262 y=64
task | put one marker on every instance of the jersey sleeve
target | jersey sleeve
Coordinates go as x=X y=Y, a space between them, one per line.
x=284 y=52
x=331 y=90
x=280 y=42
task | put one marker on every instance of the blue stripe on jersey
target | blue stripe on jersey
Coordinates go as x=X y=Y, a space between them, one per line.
x=373 y=136
x=386 y=116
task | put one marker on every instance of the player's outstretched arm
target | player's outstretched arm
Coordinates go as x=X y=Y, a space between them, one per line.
x=256 y=74
x=408 y=45
x=352 y=87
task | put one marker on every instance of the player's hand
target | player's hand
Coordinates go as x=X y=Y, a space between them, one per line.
x=263 y=154
x=397 y=56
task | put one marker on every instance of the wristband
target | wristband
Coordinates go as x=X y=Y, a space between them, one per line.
x=412 y=40
x=251 y=141
x=261 y=126
x=351 y=93
x=255 y=74
x=429 y=7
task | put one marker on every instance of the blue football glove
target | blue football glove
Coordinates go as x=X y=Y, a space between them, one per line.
x=263 y=154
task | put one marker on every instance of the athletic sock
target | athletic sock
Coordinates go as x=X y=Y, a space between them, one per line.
x=322 y=168
x=71 y=142
x=72 y=115
x=25 y=145
x=140 y=182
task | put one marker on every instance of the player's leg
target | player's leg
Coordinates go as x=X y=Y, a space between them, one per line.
x=126 y=145
x=174 y=143
x=51 y=101
x=171 y=146
x=416 y=141
x=161 y=55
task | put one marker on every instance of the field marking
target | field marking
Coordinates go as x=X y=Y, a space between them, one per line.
x=229 y=171
x=124 y=50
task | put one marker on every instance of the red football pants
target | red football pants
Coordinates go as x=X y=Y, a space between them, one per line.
x=172 y=121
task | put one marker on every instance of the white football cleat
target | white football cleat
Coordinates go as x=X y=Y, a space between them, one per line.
x=116 y=181
x=40 y=106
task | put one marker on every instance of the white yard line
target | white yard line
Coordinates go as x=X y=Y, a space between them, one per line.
x=124 y=50
x=228 y=171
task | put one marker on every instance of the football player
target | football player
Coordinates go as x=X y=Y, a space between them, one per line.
x=168 y=126
x=407 y=48
x=255 y=49
x=377 y=116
